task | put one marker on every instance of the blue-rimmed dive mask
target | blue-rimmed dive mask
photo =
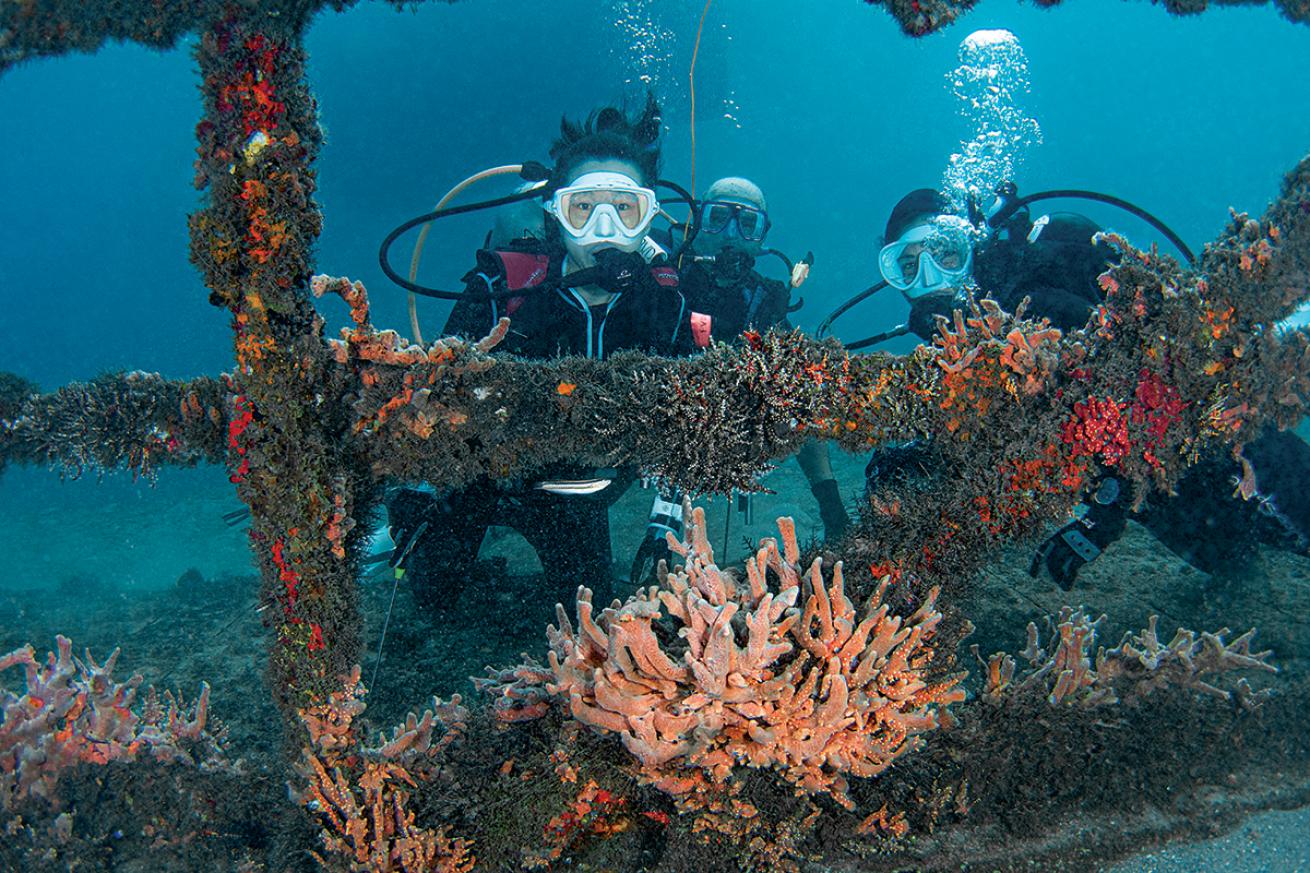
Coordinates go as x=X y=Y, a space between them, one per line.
x=732 y=220
x=604 y=210
x=933 y=256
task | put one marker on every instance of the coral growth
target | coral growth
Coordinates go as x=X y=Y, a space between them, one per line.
x=816 y=692
x=517 y=693
x=1065 y=671
x=407 y=397
x=73 y=712
x=594 y=812
x=359 y=792
x=136 y=421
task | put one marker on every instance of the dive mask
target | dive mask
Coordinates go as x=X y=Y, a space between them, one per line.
x=929 y=257
x=717 y=215
x=604 y=209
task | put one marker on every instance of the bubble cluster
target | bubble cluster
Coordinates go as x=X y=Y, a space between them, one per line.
x=990 y=83
x=732 y=109
x=646 y=45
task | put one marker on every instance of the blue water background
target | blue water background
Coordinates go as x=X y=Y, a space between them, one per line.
x=826 y=105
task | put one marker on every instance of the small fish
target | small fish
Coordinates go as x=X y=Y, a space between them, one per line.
x=574 y=487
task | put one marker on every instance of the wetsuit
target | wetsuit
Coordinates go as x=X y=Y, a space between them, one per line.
x=735 y=299
x=569 y=533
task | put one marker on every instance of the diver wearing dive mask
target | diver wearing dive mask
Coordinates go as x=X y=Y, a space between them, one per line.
x=731 y=219
x=731 y=223
x=721 y=281
x=933 y=256
x=935 y=259
x=624 y=295
x=604 y=208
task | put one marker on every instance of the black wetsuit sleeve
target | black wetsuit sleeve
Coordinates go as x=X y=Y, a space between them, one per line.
x=1065 y=309
x=472 y=316
x=772 y=314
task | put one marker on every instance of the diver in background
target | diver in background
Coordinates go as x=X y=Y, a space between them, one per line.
x=730 y=296
x=931 y=258
x=595 y=231
x=719 y=277
x=935 y=260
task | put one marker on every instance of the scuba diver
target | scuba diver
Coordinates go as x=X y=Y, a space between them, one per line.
x=935 y=259
x=719 y=277
x=931 y=257
x=592 y=283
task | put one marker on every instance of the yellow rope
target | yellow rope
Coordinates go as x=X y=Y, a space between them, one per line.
x=691 y=76
x=423 y=237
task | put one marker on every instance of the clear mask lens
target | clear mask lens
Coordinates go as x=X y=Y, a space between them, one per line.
x=929 y=257
x=716 y=216
x=604 y=207
x=630 y=207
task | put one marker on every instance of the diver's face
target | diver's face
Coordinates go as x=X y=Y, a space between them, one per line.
x=626 y=205
x=606 y=214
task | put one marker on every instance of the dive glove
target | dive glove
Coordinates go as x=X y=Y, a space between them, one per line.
x=1082 y=540
x=665 y=518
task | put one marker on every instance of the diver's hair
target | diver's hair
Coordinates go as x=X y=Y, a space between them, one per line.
x=610 y=134
x=909 y=209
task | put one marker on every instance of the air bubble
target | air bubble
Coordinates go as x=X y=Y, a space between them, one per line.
x=992 y=74
x=645 y=44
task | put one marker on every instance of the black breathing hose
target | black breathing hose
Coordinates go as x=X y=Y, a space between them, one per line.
x=384 y=250
x=787 y=262
x=898 y=330
x=533 y=173
x=1010 y=208
x=841 y=310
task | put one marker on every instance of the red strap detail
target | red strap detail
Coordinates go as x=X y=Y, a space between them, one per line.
x=665 y=276
x=701 y=325
x=523 y=270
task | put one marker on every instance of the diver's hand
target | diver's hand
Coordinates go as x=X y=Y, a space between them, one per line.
x=654 y=548
x=1066 y=552
x=1082 y=540
x=621 y=271
x=665 y=519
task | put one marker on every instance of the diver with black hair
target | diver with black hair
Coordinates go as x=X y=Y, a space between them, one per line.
x=593 y=283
